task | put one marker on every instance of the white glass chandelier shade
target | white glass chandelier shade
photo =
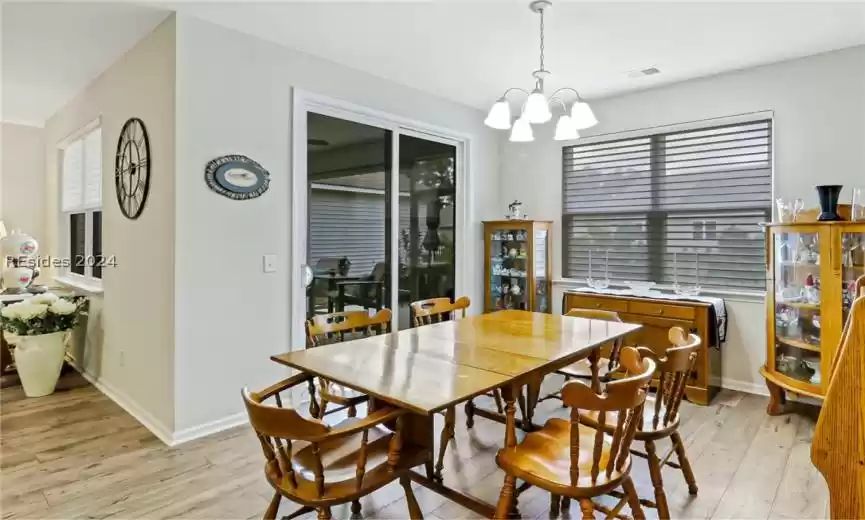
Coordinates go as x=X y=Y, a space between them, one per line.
x=522 y=131
x=565 y=129
x=582 y=115
x=499 y=116
x=537 y=108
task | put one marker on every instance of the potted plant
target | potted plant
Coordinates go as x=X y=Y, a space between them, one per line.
x=38 y=328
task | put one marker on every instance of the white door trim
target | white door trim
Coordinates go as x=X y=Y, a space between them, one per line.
x=304 y=102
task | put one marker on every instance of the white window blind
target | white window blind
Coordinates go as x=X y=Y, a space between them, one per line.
x=646 y=201
x=73 y=166
x=82 y=173
x=93 y=169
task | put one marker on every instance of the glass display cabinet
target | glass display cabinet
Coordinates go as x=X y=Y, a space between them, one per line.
x=812 y=269
x=518 y=269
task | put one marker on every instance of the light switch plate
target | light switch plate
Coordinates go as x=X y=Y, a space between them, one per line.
x=269 y=263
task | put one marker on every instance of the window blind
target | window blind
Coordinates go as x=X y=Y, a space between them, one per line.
x=652 y=208
x=82 y=173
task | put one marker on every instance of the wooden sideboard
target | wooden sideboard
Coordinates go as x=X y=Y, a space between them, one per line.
x=657 y=317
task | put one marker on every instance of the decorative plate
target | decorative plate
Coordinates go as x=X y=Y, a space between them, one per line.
x=237 y=177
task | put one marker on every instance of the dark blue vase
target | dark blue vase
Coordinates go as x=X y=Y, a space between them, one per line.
x=828 y=195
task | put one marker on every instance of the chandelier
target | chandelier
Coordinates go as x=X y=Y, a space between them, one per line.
x=536 y=109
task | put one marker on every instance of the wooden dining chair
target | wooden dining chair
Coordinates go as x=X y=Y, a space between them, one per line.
x=437 y=310
x=336 y=327
x=575 y=461
x=661 y=415
x=319 y=466
x=839 y=436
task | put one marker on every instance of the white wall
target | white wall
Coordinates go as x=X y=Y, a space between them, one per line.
x=22 y=192
x=130 y=350
x=234 y=96
x=819 y=138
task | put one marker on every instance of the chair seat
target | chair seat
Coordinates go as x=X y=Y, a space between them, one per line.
x=544 y=458
x=649 y=428
x=583 y=368
x=339 y=455
x=339 y=458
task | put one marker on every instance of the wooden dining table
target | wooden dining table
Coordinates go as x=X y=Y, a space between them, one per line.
x=431 y=368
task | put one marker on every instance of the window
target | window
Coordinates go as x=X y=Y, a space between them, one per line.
x=659 y=205
x=81 y=204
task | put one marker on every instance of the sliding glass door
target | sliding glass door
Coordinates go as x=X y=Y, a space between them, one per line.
x=427 y=217
x=348 y=215
x=368 y=235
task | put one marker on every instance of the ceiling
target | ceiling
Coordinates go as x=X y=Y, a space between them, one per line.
x=472 y=50
x=52 y=51
x=468 y=51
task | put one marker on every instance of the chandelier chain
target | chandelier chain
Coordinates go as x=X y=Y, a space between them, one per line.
x=542 y=38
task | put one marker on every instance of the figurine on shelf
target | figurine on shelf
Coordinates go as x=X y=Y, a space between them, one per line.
x=523 y=250
x=515 y=211
x=812 y=289
x=512 y=252
x=516 y=290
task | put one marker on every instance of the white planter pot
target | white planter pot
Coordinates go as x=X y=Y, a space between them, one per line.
x=39 y=360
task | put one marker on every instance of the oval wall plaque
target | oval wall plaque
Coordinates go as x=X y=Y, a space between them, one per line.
x=237 y=177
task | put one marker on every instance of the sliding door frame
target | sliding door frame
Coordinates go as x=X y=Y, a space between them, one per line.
x=304 y=102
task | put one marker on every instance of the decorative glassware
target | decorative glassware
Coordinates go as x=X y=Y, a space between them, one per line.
x=785 y=210
x=798 y=206
x=599 y=284
x=692 y=290
x=858 y=205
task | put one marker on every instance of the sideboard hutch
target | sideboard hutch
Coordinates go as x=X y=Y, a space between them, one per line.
x=657 y=317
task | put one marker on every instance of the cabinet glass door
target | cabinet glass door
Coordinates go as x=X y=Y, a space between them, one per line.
x=797 y=306
x=852 y=267
x=542 y=283
x=509 y=269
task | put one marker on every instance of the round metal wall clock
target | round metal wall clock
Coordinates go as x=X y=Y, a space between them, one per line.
x=132 y=168
x=237 y=177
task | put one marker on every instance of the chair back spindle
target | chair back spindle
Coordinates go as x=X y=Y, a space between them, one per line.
x=437 y=310
x=624 y=396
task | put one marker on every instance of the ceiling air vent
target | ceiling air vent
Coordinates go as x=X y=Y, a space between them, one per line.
x=651 y=71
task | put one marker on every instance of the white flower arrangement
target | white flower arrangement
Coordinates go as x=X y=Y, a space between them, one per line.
x=41 y=314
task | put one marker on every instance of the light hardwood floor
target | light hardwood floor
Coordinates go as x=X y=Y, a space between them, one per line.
x=77 y=454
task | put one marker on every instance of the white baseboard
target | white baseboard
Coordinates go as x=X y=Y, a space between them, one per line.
x=745 y=386
x=131 y=407
x=209 y=428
